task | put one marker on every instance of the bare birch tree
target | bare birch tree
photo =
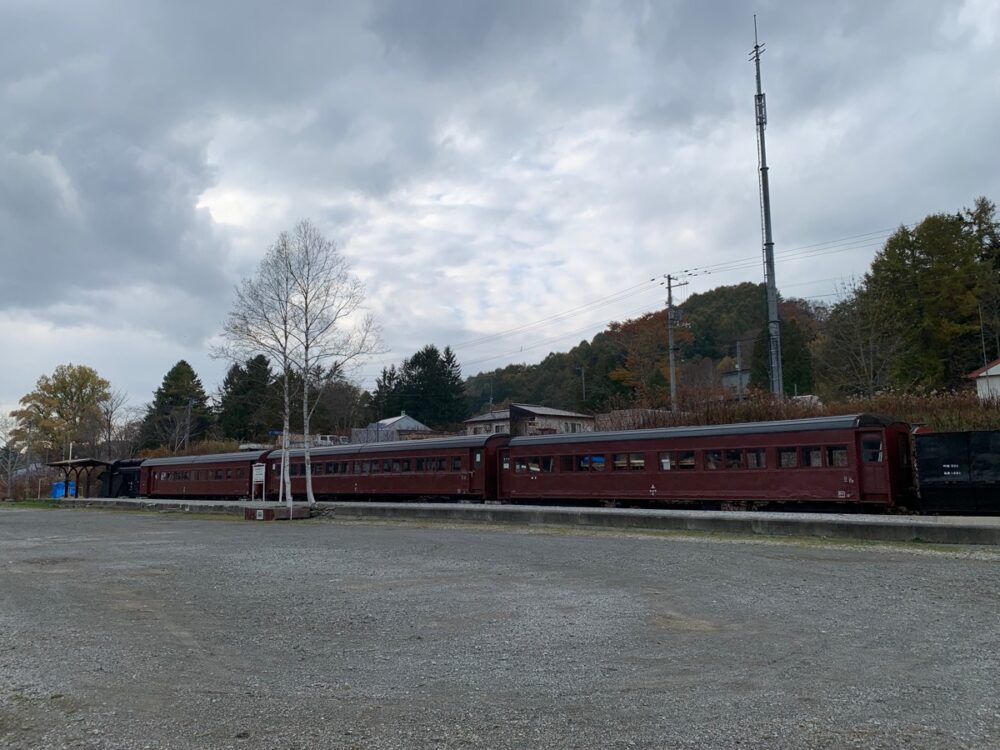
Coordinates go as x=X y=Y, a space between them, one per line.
x=330 y=331
x=263 y=321
x=13 y=455
x=114 y=411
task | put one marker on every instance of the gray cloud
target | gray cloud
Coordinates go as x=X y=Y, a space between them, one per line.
x=482 y=164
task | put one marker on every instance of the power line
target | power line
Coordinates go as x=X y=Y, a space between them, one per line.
x=859 y=241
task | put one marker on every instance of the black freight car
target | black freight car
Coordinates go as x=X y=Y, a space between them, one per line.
x=959 y=472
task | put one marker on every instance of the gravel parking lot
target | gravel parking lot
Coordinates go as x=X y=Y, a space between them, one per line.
x=136 y=630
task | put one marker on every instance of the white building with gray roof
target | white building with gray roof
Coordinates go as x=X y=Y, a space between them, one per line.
x=529 y=419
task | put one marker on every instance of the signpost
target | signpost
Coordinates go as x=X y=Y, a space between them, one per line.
x=259 y=473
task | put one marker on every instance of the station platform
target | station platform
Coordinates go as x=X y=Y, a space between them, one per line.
x=978 y=530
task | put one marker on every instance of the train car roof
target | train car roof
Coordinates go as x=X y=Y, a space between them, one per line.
x=398 y=446
x=840 y=422
x=211 y=458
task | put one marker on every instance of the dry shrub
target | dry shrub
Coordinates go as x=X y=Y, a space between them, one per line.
x=941 y=411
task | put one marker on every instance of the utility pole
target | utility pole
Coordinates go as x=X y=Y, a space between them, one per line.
x=739 y=370
x=583 y=378
x=670 y=340
x=773 y=323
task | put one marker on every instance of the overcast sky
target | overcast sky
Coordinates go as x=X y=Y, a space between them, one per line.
x=484 y=165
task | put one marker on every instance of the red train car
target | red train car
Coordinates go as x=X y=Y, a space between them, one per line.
x=454 y=468
x=858 y=459
x=217 y=476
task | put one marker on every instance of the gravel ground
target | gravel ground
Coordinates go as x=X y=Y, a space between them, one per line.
x=135 y=630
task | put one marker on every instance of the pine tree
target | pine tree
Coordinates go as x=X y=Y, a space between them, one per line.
x=244 y=412
x=179 y=412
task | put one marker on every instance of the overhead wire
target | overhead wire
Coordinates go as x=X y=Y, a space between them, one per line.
x=863 y=240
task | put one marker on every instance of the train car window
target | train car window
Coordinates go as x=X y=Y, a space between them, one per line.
x=520 y=465
x=637 y=461
x=240 y=474
x=404 y=464
x=788 y=458
x=756 y=458
x=836 y=455
x=567 y=463
x=396 y=466
x=871 y=451
x=619 y=461
x=456 y=463
x=229 y=473
x=593 y=462
x=358 y=468
x=478 y=457
x=548 y=463
x=534 y=464
x=685 y=459
x=387 y=465
x=713 y=460
x=667 y=461
x=366 y=467
x=505 y=464
x=734 y=458
x=812 y=456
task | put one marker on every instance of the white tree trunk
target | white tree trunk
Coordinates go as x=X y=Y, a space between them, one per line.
x=286 y=470
x=306 y=442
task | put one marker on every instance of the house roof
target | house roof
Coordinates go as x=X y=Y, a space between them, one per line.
x=529 y=409
x=403 y=422
x=993 y=368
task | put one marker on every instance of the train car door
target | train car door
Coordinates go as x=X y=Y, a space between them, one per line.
x=874 y=470
x=503 y=472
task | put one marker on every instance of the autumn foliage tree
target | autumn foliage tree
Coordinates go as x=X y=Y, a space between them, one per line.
x=64 y=408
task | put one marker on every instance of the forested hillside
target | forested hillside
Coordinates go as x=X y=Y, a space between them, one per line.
x=925 y=314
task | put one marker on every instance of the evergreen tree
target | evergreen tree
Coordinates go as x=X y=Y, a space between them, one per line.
x=932 y=279
x=243 y=401
x=428 y=387
x=386 y=399
x=179 y=412
x=431 y=387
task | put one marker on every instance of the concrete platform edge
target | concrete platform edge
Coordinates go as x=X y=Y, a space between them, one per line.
x=929 y=529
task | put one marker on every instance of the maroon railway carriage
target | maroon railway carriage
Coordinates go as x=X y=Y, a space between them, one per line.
x=454 y=468
x=221 y=475
x=858 y=459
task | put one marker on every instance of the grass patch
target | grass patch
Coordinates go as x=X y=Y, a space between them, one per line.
x=43 y=503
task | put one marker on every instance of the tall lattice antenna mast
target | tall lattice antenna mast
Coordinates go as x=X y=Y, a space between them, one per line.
x=773 y=323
